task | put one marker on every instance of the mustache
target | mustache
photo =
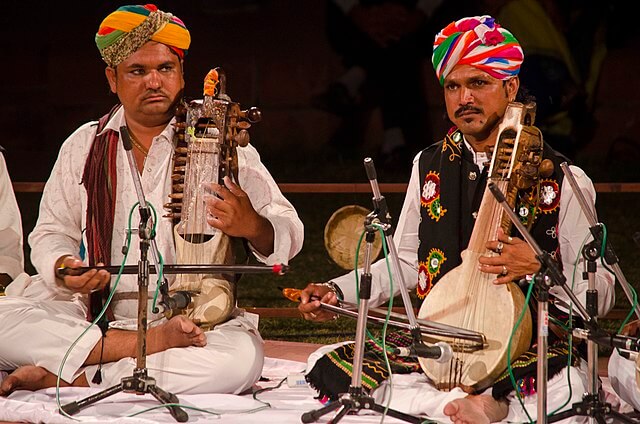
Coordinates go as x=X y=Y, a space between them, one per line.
x=153 y=93
x=466 y=108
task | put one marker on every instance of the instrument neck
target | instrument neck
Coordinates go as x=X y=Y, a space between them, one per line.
x=488 y=220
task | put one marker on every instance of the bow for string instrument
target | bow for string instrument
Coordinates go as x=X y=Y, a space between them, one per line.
x=465 y=297
x=208 y=132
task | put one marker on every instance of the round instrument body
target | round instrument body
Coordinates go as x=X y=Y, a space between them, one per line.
x=342 y=233
x=212 y=295
x=467 y=298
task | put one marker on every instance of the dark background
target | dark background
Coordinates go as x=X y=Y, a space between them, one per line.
x=277 y=56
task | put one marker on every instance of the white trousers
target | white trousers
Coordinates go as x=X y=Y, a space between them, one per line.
x=622 y=376
x=40 y=332
x=415 y=395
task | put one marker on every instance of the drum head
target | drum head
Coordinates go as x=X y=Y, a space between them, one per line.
x=342 y=233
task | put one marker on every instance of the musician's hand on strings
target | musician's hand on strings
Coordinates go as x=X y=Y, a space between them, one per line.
x=232 y=213
x=310 y=299
x=90 y=281
x=515 y=259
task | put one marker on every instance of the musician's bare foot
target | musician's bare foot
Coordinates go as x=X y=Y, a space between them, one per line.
x=28 y=377
x=481 y=409
x=179 y=331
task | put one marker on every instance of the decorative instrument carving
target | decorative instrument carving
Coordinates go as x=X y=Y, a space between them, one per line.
x=208 y=133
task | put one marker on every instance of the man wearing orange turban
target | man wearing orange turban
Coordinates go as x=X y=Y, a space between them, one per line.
x=127 y=29
x=85 y=224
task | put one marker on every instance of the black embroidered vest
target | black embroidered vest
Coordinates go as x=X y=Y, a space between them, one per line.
x=450 y=196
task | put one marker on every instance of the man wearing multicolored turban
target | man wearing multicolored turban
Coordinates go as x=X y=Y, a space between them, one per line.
x=85 y=224
x=127 y=29
x=477 y=62
x=479 y=42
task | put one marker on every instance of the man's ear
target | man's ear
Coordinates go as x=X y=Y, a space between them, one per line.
x=111 y=77
x=512 y=86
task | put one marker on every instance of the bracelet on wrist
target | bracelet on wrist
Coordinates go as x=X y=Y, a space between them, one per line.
x=334 y=288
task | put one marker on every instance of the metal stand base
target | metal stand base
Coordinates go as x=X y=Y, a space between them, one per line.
x=355 y=401
x=592 y=407
x=140 y=383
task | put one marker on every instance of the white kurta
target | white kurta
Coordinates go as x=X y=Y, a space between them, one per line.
x=11 y=254
x=413 y=394
x=231 y=361
x=622 y=375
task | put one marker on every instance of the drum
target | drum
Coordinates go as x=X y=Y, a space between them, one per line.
x=342 y=233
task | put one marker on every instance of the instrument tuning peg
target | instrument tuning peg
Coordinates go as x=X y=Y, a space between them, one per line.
x=242 y=138
x=253 y=114
x=546 y=168
x=172 y=205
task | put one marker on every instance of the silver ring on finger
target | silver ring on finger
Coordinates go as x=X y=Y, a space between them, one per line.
x=504 y=270
x=499 y=247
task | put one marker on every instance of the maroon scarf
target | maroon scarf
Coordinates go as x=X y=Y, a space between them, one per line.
x=100 y=181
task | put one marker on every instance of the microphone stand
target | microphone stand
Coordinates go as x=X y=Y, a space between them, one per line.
x=550 y=274
x=356 y=399
x=592 y=404
x=139 y=383
x=596 y=230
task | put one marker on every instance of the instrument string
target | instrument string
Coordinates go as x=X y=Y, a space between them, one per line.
x=479 y=288
x=200 y=206
x=465 y=368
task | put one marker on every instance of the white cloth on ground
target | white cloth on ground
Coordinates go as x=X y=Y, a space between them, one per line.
x=285 y=404
x=415 y=395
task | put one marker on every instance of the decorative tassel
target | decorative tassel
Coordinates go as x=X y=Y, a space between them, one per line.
x=97 y=377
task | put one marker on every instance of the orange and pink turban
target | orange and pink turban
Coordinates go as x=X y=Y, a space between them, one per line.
x=480 y=42
x=127 y=29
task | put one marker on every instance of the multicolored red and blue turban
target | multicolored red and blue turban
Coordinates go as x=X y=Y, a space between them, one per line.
x=480 y=42
x=127 y=29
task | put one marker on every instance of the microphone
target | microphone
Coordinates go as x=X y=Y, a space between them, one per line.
x=371 y=175
x=617 y=341
x=441 y=351
x=611 y=340
x=632 y=356
x=179 y=300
